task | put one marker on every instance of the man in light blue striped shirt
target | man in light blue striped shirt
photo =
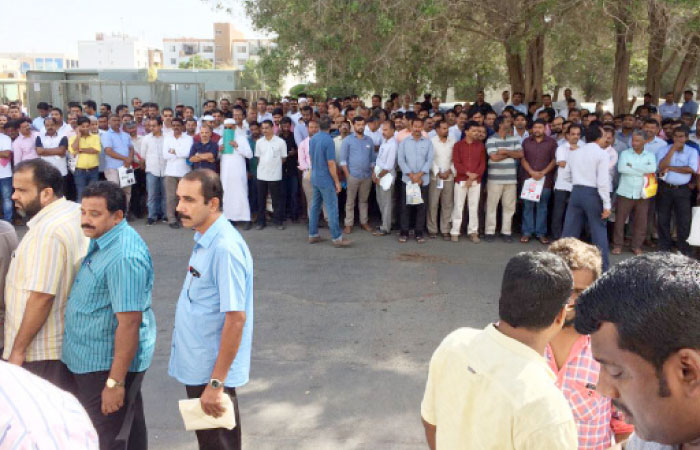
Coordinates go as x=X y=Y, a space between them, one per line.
x=110 y=329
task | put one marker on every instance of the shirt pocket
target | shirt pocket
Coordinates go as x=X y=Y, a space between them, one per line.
x=585 y=402
x=203 y=294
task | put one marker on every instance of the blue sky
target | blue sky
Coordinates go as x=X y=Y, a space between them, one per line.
x=58 y=25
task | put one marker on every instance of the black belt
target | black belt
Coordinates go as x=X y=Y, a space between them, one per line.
x=673 y=186
x=87 y=170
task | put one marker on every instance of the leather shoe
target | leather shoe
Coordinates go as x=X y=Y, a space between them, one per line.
x=347 y=230
x=366 y=227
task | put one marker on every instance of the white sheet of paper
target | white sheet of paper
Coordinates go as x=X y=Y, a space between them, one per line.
x=440 y=183
x=385 y=181
x=195 y=419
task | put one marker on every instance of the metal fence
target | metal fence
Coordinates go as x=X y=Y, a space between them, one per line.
x=61 y=92
x=13 y=90
x=251 y=96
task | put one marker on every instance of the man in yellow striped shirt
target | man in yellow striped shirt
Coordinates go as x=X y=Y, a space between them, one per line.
x=41 y=272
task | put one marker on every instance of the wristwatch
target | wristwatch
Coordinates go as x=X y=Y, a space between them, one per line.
x=112 y=383
x=216 y=384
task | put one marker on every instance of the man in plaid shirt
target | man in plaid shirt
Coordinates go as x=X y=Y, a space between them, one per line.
x=570 y=358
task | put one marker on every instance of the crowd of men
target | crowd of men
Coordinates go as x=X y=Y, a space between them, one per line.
x=417 y=167
x=78 y=286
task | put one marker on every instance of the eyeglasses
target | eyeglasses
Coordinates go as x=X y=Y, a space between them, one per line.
x=195 y=274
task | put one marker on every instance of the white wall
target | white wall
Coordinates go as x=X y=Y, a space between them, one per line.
x=112 y=54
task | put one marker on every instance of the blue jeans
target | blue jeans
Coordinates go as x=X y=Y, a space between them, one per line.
x=83 y=178
x=7 y=205
x=155 y=186
x=536 y=223
x=329 y=198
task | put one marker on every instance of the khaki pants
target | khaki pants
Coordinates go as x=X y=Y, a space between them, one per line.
x=471 y=195
x=385 y=200
x=361 y=186
x=506 y=194
x=440 y=197
x=308 y=189
x=113 y=176
x=171 y=196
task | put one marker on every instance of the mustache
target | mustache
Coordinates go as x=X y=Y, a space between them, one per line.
x=182 y=216
x=87 y=227
x=622 y=408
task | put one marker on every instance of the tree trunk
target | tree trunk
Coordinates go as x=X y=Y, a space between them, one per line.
x=534 y=68
x=515 y=67
x=687 y=69
x=555 y=94
x=624 y=34
x=658 y=29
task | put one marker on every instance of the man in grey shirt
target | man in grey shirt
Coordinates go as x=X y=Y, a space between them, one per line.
x=8 y=244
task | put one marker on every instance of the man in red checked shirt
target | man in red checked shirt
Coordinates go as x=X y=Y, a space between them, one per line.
x=570 y=358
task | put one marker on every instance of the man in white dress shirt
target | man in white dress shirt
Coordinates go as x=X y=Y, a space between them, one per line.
x=234 y=177
x=587 y=170
x=384 y=166
x=441 y=189
x=176 y=151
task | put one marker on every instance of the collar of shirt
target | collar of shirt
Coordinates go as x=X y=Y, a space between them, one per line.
x=107 y=238
x=517 y=347
x=577 y=349
x=45 y=211
x=205 y=240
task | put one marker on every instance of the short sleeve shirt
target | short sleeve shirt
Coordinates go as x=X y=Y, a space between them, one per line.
x=321 y=150
x=119 y=142
x=223 y=283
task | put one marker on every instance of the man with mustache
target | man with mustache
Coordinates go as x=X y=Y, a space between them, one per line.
x=643 y=320
x=110 y=331
x=41 y=272
x=569 y=356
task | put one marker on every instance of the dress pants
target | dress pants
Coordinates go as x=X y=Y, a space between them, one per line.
x=171 y=197
x=54 y=371
x=626 y=205
x=121 y=430
x=471 y=195
x=357 y=187
x=561 y=199
x=444 y=199
x=418 y=210
x=674 y=200
x=585 y=206
x=506 y=194
x=218 y=438
x=385 y=200
x=275 y=189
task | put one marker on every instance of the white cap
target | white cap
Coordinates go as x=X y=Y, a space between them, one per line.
x=229 y=122
x=303 y=100
x=208 y=118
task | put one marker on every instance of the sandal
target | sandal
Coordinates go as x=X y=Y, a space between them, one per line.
x=616 y=251
x=403 y=239
x=543 y=240
x=420 y=239
x=525 y=239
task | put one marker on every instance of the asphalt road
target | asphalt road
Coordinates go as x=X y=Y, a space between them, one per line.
x=342 y=339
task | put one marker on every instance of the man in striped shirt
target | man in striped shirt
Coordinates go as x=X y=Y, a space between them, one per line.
x=110 y=327
x=503 y=151
x=41 y=272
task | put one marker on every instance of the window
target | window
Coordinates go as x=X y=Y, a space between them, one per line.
x=208 y=49
x=173 y=61
x=242 y=49
x=218 y=32
x=173 y=48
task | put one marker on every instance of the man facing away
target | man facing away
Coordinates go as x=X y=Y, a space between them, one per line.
x=41 y=272
x=642 y=317
x=215 y=310
x=492 y=388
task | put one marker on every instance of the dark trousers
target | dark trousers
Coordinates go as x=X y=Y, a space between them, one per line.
x=218 y=438
x=54 y=371
x=408 y=210
x=290 y=189
x=275 y=189
x=138 y=194
x=673 y=200
x=253 y=195
x=586 y=207
x=625 y=206
x=561 y=199
x=121 y=430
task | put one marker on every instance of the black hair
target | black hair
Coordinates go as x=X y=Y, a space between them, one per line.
x=497 y=123
x=535 y=288
x=90 y=104
x=540 y=122
x=652 y=302
x=268 y=121
x=307 y=108
x=358 y=119
x=277 y=112
x=60 y=111
x=42 y=105
x=682 y=129
x=158 y=119
x=107 y=106
x=177 y=120
x=594 y=131
x=112 y=194
x=210 y=182
x=44 y=175
x=575 y=125
x=285 y=119
x=121 y=108
x=82 y=120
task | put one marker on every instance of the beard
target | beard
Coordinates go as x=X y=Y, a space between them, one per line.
x=30 y=209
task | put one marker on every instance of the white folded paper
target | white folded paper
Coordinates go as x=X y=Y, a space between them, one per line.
x=386 y=181
x=195 y=418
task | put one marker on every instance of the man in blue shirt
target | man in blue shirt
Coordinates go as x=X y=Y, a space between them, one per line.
x=325 y=184
x=689 y=106
x=118 y=151
x=669 y=109
x=677 y=166
x=110 y=329
x=213 y=332
x=356 y=158
x=415 y=158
